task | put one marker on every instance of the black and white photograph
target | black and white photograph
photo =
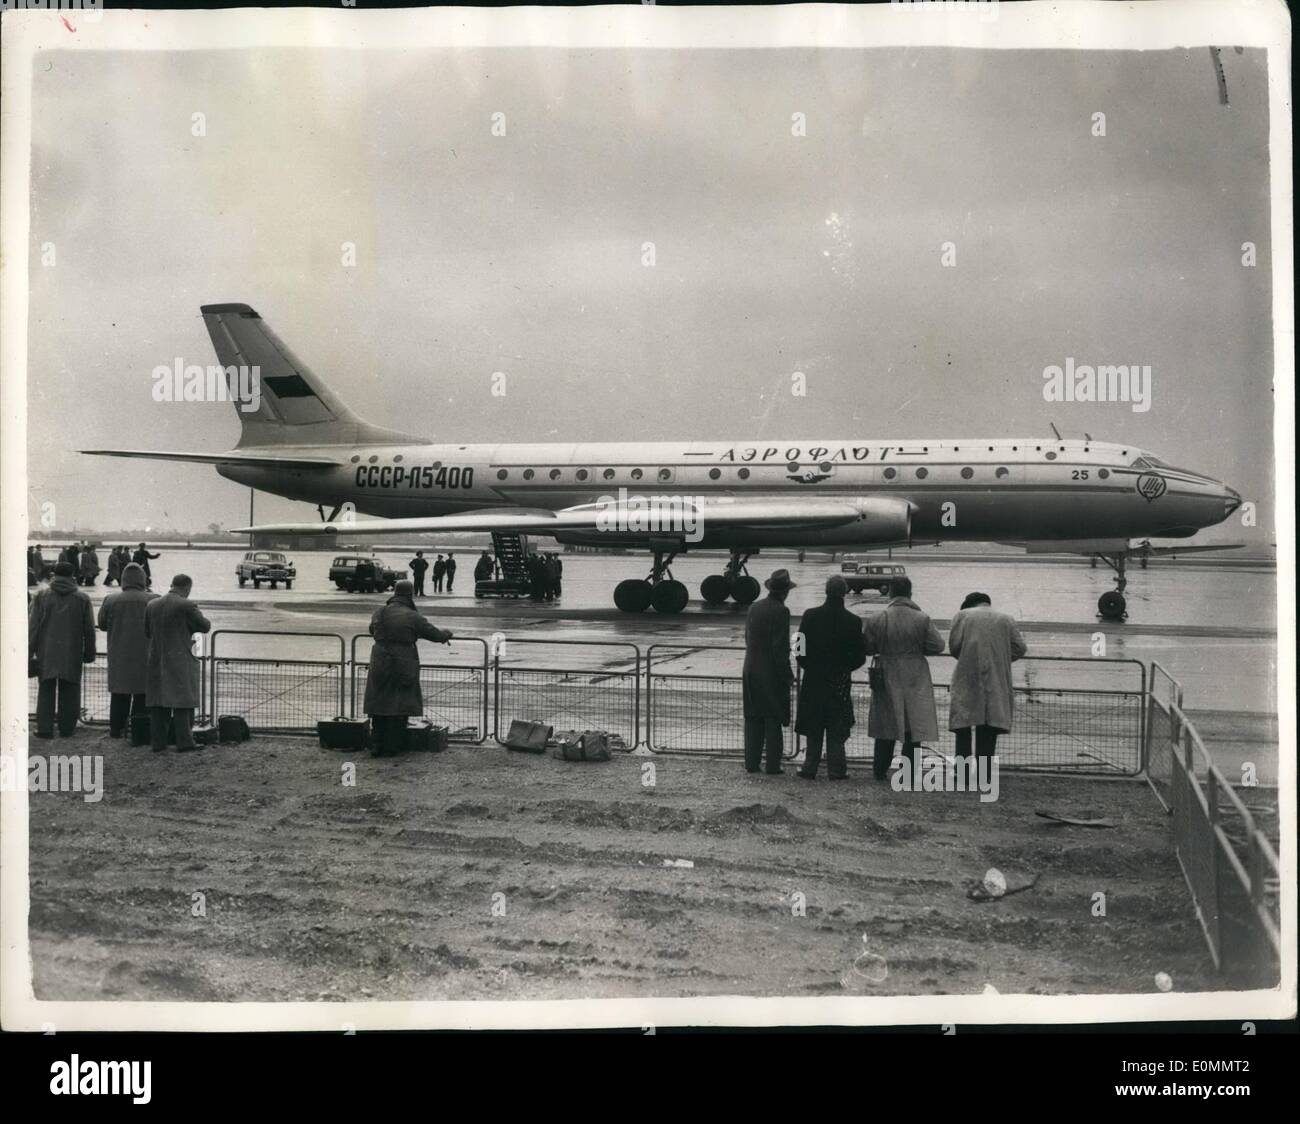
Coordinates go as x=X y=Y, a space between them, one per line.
x=742 y=516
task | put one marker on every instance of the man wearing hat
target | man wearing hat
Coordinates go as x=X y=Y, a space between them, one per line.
x=767 y=676
x=393 y=679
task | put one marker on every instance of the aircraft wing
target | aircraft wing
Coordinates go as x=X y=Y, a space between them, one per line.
x=275 y=461
x=665 y=515
x=1112 y=546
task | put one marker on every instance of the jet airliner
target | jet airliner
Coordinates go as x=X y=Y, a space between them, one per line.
x=300 y=441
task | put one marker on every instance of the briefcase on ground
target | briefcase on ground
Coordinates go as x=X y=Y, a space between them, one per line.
x=527 y=737
x=343 y=733
x=423 y=736
x=206 y=734
x=232 y=729
x=590 y=745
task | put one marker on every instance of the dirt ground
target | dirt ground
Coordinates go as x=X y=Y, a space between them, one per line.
x=481 y=873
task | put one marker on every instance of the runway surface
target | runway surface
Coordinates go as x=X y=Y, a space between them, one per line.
x=1213 y=628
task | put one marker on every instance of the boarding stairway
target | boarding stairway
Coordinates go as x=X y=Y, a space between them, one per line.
x=511 y=550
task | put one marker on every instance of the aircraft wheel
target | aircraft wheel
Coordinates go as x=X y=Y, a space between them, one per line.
x=715 y=589
x=669 y=597
x=745 y=589
x=1112 y=606
x=243 y=582
x=633 y=595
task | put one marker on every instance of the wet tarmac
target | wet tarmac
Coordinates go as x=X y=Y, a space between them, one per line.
x=1213 y=627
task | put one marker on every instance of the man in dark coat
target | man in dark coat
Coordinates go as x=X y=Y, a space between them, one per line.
x=451 y=570
x=61 y=637
x=141 y=558
x=393 y=678
x=113 y=568
x=833 y=648
x=418 y=566
x=903 y=709
x=767 y=675
x=484 y=568
x=172 y=684
x=122 y=617
x=439 y=568
x=72 y=556
x=88 y=566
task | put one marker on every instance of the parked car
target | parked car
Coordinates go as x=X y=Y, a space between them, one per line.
x=344 y=567
x=849 y=565
x=258 y=566
x=879 y=576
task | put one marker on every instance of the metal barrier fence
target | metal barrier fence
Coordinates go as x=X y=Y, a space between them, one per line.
x=455 y=694
x=601 y=696
x=1231 y=869
x=94 y=693
x=273 y=693
x=1057 y=727
x=694 y=713
x=1164 y=697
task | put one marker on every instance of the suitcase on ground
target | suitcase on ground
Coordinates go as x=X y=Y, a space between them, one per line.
x=527 y=737
x=232 y=729
x=206 y=734
x=343 y=733
x=423 y=736
x=590 y=745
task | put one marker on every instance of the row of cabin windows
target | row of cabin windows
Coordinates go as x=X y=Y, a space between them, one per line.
x=890 y=473
x=665 y=474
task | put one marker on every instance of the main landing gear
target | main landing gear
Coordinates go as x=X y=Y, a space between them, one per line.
x=734 y=582
x=1111 y=605
x=659 y=591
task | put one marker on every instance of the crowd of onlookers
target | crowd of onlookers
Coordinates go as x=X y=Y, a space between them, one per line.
x=152 y=668
x=83 y=558
x=833 y=643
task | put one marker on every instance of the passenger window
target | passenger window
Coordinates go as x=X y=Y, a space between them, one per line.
x=502 y=474
x=609 y=474
x=529 y=474
x=714 y=473
x=967 y=473
x=555 y=474
x=890 y=473
x=581 y=474
x=665 y=474
x=1001 y=472
x=743 y=474
x=922 y=473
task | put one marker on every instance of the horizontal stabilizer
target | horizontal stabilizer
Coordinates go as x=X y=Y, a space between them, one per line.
x=272 y=460
x=664 y=513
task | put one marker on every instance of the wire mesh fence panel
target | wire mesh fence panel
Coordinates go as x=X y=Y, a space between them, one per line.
x=95 y=699
x=699 y=714
x=285 y=696
x=452 y=695
x=1195 y=845
x=567 y=699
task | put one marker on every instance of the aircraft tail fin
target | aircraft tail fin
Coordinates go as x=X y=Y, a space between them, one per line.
x=294 y=407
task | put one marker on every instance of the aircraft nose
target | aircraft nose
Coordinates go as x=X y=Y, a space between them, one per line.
x=1231 y=500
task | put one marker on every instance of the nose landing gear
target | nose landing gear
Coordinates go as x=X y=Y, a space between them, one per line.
x=733 y=582
x=660 y=590
x=1111 y=605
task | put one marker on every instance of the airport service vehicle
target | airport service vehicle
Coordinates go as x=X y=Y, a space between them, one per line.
x=879 y=576
x=299 y=440
x=849 y=565
x=258 y=566
x=344 y=566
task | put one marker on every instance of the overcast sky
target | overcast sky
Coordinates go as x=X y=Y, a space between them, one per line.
x=774 y=253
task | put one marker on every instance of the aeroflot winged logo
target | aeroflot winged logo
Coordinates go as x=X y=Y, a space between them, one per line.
x=1151 y=487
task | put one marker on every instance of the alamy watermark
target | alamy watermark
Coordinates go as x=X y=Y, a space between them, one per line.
x=642 y=515
x=944 y=774
x=56 y=774
x=1104 y=383
x=192 y=383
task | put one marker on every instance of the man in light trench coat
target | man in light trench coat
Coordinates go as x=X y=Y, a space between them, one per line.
x=172 y=686
x=902 y=636
x=985 y=643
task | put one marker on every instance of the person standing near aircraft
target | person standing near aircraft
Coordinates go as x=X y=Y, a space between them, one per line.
x=122 y=617
x=985 y=643
x=902 y=709
x=141 y=558
x=393 y=677
x=113 y=569
x=172 y=682
x=418 y=566
x=439 y=569
x=833 y=648
x=60 y=638
x=484 y=568
x=72 y=556
x=89 y=566
x=767 y=675
x=451 y=570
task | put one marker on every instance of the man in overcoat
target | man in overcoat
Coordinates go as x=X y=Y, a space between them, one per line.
x=172 y=684
x=903 y=710
x=122 y=616
x=833 y=648
x=393 y=678
x=767 y=675
x=61 y=638
x=985 y=643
